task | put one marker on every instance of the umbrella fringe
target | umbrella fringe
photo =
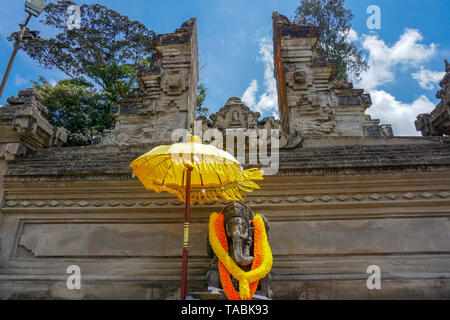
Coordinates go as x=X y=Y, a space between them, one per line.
x=229 y=184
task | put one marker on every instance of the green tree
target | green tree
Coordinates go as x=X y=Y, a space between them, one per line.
x=201 y=96
x=76 y=105
x=334 y=22
x=108 y=48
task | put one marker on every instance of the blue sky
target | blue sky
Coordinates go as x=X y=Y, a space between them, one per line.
x=406 y=55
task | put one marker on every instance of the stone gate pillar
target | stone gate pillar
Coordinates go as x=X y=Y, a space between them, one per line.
x=169 y=99
x=310 y=100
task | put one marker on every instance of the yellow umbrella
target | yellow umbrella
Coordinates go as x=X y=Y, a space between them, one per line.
x=197 y=173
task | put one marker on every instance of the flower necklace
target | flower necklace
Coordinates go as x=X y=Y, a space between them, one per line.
x=262 y=261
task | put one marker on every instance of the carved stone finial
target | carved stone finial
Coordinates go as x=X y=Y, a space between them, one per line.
x=235 y=114
x=23 y=121
x=29 y=96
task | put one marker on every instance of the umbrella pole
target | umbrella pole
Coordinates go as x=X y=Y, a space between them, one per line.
x=186 y=234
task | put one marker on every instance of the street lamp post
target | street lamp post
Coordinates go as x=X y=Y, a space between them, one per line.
x=33 y=8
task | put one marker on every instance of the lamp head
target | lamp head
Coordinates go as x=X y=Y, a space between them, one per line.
x=34 y=7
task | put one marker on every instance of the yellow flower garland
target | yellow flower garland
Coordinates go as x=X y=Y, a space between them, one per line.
x=225 y=277
x=244 y=278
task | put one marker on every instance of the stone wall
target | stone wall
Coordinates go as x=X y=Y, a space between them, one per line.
x=336 y=206
x=3 y=166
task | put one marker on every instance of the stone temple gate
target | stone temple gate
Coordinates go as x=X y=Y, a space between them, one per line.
x=348 y=194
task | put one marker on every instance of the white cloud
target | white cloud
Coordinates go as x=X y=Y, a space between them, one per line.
x=428 y=79
x=401 y=115
x=20 y=82
x=350 y=36
x=52 y=82
x=407 y=51
x=249 y=97
x=268 y=100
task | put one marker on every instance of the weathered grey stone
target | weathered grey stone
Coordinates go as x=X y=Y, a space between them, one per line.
x=310 y=100
x=23 y=126
x=168 y=100
x=30 y=97
x=239 y=229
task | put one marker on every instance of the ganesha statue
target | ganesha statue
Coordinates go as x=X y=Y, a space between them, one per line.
x=241 y=258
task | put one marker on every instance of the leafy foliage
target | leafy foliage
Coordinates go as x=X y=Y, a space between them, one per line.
x=108 y=48
x=201 y=96
x=77 y=106
x=334 y=22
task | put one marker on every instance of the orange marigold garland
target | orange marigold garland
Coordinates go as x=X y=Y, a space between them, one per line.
x=262 y=261
x=225 y=277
